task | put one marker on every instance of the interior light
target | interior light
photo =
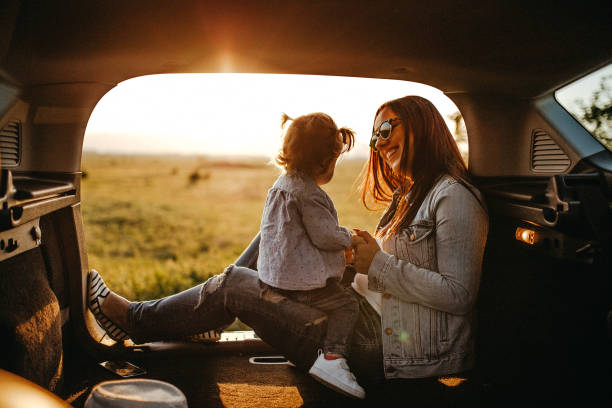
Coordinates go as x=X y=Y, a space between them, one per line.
x=525 y=235
x=452 y=381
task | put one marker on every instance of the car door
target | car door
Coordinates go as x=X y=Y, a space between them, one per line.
x=545 y=297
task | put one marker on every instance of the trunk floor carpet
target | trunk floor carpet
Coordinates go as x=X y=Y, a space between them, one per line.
x=220 y=375
x=211 y=375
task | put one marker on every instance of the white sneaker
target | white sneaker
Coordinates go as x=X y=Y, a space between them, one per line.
x=336 y=375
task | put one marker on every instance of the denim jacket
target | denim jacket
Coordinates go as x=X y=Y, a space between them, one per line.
x=429 y=275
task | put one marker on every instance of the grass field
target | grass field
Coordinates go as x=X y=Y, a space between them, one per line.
x=156 y=225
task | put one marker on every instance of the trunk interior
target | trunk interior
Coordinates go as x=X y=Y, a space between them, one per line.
x=545 y=303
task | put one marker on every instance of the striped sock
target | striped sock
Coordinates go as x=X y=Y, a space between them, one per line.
x=97 y=293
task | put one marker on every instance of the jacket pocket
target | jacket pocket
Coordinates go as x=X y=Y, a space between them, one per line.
x=439 y=334
x=416 y=244
x=444 y=326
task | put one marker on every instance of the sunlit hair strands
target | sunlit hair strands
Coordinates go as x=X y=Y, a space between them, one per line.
x=311 y=142
x=435 y=154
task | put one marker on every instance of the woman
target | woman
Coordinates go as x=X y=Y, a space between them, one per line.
x=433 y=236
x=417 y=304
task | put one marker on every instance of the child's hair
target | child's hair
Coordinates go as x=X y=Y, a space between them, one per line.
x=311 y=143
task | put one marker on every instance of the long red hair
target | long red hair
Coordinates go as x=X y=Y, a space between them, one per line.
x=435 y=154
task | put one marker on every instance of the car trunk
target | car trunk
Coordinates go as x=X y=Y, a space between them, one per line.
x=543 y=306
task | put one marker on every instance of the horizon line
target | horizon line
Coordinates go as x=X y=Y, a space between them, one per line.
x=199 y=154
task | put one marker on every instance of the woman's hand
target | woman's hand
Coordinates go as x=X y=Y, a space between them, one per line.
x=364 y=251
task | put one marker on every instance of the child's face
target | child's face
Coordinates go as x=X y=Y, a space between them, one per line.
x=327 y=175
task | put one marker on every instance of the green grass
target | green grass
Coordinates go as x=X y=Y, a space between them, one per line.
x=156 y=225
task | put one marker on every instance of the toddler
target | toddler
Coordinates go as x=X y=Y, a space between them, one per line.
x=302 y=246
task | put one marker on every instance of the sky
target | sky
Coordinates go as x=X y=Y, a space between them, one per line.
x=236 y=114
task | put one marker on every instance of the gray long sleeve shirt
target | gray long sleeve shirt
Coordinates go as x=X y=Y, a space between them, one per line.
x=302 y=244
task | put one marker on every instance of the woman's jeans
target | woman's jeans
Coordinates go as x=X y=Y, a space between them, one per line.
x=294 y=329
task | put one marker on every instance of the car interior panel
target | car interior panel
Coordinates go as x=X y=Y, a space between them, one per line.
x=545 y=303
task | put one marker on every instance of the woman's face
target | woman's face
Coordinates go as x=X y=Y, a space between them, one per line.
x=391 y=149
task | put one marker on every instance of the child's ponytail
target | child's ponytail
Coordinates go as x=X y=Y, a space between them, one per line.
x=348 y=138
x=283 y=158
x=284 y=119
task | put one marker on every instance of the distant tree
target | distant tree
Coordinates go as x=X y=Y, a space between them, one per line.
x=460 y=133
x=196 y=176
x=596 y=116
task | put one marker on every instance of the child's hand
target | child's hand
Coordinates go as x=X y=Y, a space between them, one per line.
x=349 y=255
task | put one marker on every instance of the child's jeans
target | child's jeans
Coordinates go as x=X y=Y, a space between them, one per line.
x=341 y=308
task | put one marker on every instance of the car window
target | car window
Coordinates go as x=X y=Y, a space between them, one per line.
x=178 y=167
x=589 y=101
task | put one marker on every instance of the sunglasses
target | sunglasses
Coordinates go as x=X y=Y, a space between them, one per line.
x=384 y=132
